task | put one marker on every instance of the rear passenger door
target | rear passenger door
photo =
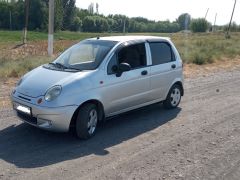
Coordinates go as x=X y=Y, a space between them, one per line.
x=162 y=69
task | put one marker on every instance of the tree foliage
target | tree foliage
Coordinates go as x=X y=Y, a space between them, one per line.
x=58 y=15
x=184 y=21
x=69 y=17
x=68 y=13
x=199 y=25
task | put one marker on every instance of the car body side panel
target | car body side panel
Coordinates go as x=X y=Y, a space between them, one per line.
x=126 y=91
x=163 y=75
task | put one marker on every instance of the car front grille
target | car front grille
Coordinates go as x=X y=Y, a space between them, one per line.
x=27 y=99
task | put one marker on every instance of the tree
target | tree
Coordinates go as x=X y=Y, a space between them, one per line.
x=82 y=13
x=184 y=21
x=17 y=15
x=77 y=24
x=69 y=11
x=58 y=15
x=4 y=15
x=199 y=25
x=88 y=24
x=91 y=8
x=95 y=24
x=38 y=15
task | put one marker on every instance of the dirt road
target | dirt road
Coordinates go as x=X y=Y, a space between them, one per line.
x=199 y=140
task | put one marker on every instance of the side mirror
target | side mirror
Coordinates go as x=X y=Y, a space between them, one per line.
x=123 y=67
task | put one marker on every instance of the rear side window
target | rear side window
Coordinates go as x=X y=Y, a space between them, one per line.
x=161 y=53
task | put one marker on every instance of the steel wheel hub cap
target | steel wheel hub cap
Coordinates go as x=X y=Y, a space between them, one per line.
x=175 y=96
x=92 y=122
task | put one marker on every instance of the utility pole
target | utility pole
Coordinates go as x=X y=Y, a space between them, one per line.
x=10 y=20
x=229 y=26
x=214 y=26
x=206 y=14
x=124 y=26
x=26 y=21
x=97 y=7
x=50 y=27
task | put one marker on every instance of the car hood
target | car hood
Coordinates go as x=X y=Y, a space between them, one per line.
x=37 y=82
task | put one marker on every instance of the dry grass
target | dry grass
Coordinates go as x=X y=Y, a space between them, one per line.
x=205 y=48
x=200 y=49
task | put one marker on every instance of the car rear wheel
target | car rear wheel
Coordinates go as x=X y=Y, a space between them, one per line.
x=86 y=122
x=173 y=97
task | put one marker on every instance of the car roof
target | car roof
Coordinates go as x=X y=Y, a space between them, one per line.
x=130 y=38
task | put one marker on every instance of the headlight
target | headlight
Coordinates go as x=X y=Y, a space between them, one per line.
x=53 y=93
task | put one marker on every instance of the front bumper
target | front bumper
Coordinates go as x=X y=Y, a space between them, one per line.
x=53 y=119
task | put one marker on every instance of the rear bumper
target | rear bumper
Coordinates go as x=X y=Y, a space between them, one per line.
x=53 y=119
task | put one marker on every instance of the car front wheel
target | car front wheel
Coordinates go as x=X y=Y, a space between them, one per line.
x=173 y=97
x=87 y=120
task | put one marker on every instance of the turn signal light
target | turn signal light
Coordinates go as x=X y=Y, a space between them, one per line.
x=39 y=101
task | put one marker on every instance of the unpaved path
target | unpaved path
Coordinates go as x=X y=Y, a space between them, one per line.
x=199 y=140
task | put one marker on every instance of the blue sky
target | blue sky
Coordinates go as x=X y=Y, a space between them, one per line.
x=168 y=9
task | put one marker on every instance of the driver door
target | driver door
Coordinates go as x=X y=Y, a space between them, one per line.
x=131 y=89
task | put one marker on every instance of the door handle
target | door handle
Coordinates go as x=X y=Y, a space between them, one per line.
x=173 y=66
x=144 y=72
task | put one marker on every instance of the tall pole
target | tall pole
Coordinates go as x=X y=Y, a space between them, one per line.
x=231 y=19
x=50 y=27
x=26 y=21
x=10 y=20
x=206 y=14
x=124 y=26
x=214 y=26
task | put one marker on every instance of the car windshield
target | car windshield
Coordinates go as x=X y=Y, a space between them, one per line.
x=86 y=55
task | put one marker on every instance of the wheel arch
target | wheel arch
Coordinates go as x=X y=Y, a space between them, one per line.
x=178 y=82
x=100 y=109
x=181 y=86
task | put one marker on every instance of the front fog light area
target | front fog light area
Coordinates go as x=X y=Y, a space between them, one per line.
x=43 y=123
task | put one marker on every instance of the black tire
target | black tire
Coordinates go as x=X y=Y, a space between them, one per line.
x=173 y=98
x=84 y=130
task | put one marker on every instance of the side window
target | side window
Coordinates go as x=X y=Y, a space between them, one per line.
x=134 y=55
x=161 y=53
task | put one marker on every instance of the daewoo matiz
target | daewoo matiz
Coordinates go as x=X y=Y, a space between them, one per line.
x=98 y=78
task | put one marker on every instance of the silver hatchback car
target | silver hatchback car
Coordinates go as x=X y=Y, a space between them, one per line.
x=98 y=78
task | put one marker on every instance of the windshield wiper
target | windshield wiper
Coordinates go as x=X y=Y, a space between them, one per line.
x=61 y=66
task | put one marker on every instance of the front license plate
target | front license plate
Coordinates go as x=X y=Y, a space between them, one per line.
x=22 y=108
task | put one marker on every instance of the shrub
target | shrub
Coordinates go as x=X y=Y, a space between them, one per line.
x=199 y=25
